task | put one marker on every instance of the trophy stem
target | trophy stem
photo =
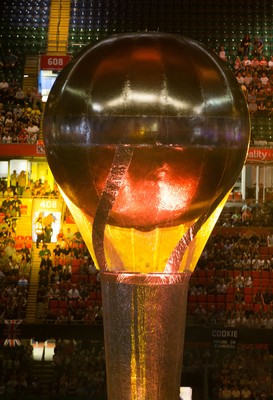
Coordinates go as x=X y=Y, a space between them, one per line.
x=144 y=325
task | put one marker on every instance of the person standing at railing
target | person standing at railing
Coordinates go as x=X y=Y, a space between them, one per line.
x=245 y=45
x=269 y=239
x=13 y=181
x=22 y=180
x=39 y=230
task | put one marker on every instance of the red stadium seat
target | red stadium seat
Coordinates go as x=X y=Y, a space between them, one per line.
x=53 y=304
x=248 y=298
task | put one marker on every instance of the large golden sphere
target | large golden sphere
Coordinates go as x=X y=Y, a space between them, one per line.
x=155 y=115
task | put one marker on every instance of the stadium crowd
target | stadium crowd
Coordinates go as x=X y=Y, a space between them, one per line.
x=21 y=111
x=69 y=284
x=20 y=114
x=78 y=372
x=231 y=286
x=244 y=372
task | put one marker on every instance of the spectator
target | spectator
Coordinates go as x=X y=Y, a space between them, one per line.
x=239 y=281
x=270 y=64
x=263 y=63
x=247 y=215
x=32 y=137
x=7 y=202
x=36 y=97
x=39 y=230
x=21 y=183
x=54 y=292
x=10 y=59
x=5 y=235
x=261 y=109
x=246 y=263
x=222 y=54
x=264 y=79
x=258 y=46
x=20 y=97
x=246 y=64
x=236 y=218
x=253 y=107
x=257 y=263
x=237 y=65
x=235 y=392
x=43 y=276
x=44 y=251
x=32 y=129
x=23 y=282
x=36 y=188
x=269 y=239
x=13 y=181
x=4 y=85
x=248 y=283
x=245 y=45
x=240 y=78
x=73 y=293
x=246 y=393
x=16 y=204
x=257 y=297
x=255 y=64
x=47 y=262
x=267 y=297
x=248 y=79
x=267 y=264
x=6 y=138
x=48 y=233
x=251 y=96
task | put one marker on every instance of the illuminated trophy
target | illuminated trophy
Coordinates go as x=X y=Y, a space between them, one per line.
x=146 y=135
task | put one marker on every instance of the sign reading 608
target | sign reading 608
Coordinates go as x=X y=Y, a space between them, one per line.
x=55 y=61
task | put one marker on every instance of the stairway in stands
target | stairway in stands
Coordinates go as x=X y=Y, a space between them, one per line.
x=31 y=75
x=58 y=27
x=42 y=367
x=32 y=312
x=30 y=72
x=44 y=372
x=33 y=286
x=24 y=228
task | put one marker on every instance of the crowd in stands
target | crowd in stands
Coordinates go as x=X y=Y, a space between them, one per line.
x=20 y=186
x=15 y=263
x=79 y=370
x=15 y=270
x=17 y=380
x=244 y=372
x=8 y=60
x=15 y=259
x=16 y=255
x=235 y=268
x=231 y=284
x=246 y=215
x=20 y=114
x=254 y=73
x=69 y=284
